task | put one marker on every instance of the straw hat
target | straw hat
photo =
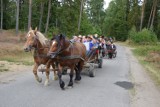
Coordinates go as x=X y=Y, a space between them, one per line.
x=80 y=36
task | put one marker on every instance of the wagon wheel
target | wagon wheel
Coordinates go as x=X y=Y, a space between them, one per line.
x=64 y=71
x=91 y=70
x=114 y=54
x=100 y=61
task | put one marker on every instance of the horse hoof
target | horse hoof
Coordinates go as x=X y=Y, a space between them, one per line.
x=46 y=83
x=55 y=78
x=39 y=80
x=70 y=84
x=69 y=87
x=62 y=84
x=78 y=78
x=77 y=81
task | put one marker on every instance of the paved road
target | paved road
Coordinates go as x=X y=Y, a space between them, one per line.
x=110 y=88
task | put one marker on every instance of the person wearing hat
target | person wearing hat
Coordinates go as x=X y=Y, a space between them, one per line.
x=88 y=43
x=111 y=49
x=75 y=39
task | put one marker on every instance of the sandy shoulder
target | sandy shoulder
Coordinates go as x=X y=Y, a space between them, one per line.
x=13 y=71
x=146 y=94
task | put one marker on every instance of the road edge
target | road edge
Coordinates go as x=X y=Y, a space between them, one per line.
x=145 y=93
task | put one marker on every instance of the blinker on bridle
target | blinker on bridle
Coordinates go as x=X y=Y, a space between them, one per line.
x=59 y=49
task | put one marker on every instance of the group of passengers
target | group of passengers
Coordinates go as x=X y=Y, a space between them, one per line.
x=93 y=41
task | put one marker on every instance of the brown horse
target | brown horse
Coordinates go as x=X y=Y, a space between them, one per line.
x=67 y=54
x=37 y=41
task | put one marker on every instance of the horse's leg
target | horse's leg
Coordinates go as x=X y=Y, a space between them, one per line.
x=71 y=77
x=55 y=75
x=47 y=74
x=35 y=73
x=61 y=82
x=78 y=71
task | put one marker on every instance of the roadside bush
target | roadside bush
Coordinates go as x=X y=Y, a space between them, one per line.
x=132 y=34
x=143 y=37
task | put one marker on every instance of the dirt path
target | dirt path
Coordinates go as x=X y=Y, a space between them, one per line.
x=12 y=70
x=145 y=93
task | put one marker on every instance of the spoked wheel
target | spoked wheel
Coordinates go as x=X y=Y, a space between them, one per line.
x=92 y=73
x=114 y=54
x=100 y=61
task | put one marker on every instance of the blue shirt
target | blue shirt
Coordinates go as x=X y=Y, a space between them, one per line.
x=88 y=45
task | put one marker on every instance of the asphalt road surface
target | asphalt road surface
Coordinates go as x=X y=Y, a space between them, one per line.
x=109 y=88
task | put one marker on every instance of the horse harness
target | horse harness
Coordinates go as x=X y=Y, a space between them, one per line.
x=66 y=57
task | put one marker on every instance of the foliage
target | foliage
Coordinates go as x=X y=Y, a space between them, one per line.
x=96 y=15
x=115 y=23
x=143 y=37
x=117 y=20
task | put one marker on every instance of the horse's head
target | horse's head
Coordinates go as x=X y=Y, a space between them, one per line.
x=56 y=45
x=31 y=40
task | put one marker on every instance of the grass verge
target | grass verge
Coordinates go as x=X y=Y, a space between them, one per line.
x=149 y=57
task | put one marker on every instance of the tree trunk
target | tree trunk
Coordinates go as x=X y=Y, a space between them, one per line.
x=41 y=12
x=49 y=8
x=30 y=13
x=127 y=9
x=150 y=17
x=17 y=17
x=142 y=15
x=1 y=15
x=154 y=11
x=79 y=22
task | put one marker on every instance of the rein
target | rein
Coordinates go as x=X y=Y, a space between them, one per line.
x=71 y=56
x=60 y=50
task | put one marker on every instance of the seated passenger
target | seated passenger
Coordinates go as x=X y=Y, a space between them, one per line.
x=91 y=45
x=111 y=49
x=74 y=39
x=113 y=46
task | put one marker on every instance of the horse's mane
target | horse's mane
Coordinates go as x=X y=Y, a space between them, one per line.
x=42 y=39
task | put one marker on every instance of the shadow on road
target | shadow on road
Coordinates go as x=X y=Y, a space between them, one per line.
x=124 y=84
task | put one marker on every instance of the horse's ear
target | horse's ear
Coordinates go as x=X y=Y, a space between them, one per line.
x=35 y=30
x=61 y=36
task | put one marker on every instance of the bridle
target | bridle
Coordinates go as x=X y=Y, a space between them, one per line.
x=57 y=51
x=60 y=48
x=35 y=44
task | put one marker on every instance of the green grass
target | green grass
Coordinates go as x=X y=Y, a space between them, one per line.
x=145 y=50
x=153 y=68
x=18 y=58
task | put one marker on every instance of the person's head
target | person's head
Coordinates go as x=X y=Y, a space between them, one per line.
x=75 y=38
x=108 y=42
x=89 y=38
x=100 y=38
x=96 y=35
